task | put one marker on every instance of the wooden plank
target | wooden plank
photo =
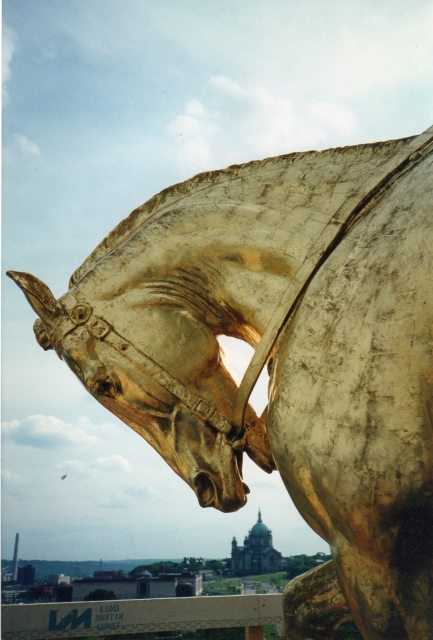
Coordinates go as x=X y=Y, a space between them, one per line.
x=254 y=633
x=76 y=619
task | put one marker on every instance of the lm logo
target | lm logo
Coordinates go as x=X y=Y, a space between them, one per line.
x=72 y=619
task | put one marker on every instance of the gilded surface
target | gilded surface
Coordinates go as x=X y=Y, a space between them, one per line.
x=350 y=415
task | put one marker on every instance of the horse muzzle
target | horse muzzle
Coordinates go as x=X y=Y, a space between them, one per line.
x=210 y=495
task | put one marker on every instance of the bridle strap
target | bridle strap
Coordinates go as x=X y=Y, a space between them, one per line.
x=337 y=228
x=81 y=315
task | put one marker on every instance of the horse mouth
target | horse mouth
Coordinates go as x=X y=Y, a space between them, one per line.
x=205 y=490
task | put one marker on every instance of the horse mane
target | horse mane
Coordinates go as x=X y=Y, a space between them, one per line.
x=208 y=179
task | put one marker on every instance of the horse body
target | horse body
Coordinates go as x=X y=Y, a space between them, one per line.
x=351 y=375
x=350 y=417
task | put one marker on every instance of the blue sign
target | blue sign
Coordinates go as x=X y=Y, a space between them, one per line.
x=72 y=619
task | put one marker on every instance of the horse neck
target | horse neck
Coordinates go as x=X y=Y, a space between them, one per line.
x=222 y=271
x=226 y=245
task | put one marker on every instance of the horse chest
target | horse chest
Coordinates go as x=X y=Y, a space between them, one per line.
x=353 y=373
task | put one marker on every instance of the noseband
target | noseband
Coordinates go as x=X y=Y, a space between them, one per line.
x=80 y=314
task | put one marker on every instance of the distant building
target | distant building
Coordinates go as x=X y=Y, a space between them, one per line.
x=105 y=575
x=123 y=588
x=26 y=575
x=41 y=592
x=59 y=578
x=258 y=554
x=172 y=585
x=64 y=593
x=11 y=597
x=167 y=585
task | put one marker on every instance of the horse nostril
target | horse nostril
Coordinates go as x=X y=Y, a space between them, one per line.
x=205 y=490
x=105 y=387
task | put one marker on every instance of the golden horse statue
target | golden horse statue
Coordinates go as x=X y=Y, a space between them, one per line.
x=322 y=261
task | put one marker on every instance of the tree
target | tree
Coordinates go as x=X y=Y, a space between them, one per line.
x=100 y=594
x=300 y=564
x=192 y=564
x=217 y=566
x=154 y=568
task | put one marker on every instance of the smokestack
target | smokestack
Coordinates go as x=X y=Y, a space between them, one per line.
x=15 y=561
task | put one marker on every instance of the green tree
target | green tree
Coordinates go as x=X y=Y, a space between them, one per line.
x=192 y=564
x=296 y=565
x=154 y=568
x=217 y=566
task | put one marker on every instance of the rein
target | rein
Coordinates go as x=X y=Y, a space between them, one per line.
x=81 y=315
x=334 y=232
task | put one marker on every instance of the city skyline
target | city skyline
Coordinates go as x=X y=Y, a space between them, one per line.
x=105 y=104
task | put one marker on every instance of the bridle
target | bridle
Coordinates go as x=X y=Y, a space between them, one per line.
x=80 y=314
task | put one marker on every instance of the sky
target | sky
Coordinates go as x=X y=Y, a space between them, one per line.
x=105 y=103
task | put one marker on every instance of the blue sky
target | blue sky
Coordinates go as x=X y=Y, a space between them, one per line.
x=106 y=102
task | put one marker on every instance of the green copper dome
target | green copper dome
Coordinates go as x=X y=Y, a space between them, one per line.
x=259 y=528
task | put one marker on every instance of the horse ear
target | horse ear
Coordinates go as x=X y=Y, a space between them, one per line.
x=39 y=296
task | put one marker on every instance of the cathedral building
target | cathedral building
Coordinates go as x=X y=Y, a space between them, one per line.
x=258 y=554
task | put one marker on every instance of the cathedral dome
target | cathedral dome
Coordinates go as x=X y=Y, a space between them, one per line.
x=260 y=529
x=257 y=555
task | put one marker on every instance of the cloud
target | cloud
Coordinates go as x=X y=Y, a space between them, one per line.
x=336 y=116
x=112 y=463
x=271 y=124
x=48 y=432
x=82 y=469
x=225 y=85
x=139 y=491
x=235 y=355
x=9 y=43
x=383 y=50
x=239 y=122
x=10 y=478
x=193 y=132
x=115 y=501
x=26 y=146
x=129 y=496
x=19 y=146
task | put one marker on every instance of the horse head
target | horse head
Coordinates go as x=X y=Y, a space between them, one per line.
x=162 y=375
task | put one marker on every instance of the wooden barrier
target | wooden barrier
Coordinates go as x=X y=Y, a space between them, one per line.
x=112 y=617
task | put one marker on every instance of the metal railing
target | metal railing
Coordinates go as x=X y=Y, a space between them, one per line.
x=114 y=617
